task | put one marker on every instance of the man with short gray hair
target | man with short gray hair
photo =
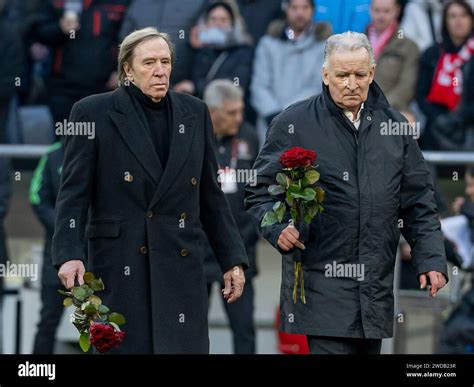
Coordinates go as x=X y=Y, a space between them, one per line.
x=376 y=184
x=237 y=148
x=137 y=199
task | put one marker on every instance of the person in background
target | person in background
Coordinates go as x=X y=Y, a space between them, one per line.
x=465 y=205
x=176 y=18
x=10 y=64
x=287 y=63
x=225 y=50
x=422 y=22
x=258 y=14
x=396 y=55
x=83 y=36
x=5 y=193
x=237 y=148
x=446 y=74
x=43 y=191
x=343 y=15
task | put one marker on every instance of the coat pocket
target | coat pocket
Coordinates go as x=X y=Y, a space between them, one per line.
x=103 y=229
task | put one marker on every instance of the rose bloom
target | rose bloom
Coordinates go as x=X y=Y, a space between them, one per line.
x=297 y=157
x=104 y=337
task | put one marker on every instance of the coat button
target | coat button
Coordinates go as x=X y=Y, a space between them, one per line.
x=194 y=181
x=143 y=250
x=369 y=118
x=128 y=178
x=183 y=252
x=149 y=214
x=183 y=215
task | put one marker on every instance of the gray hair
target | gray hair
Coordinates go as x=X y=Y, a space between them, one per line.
x=131 y=41
x=221 y=90
x=347 y=41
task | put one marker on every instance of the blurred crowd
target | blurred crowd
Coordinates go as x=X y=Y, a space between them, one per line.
x=56 y=52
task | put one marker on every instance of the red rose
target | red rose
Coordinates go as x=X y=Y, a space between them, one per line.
x=104 y=337
x=297 y=157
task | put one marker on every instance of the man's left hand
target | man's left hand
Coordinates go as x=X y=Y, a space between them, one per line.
x=234 y=281
x=436 y=279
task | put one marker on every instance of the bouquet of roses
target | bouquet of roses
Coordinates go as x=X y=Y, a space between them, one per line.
x=94 y=321
x=303 y=199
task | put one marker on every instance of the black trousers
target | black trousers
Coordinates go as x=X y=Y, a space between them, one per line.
x=325 y=345
x=240 y=315
x=50 y=317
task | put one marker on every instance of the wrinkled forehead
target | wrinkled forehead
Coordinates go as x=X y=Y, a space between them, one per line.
x=155 y=47
x=350 y=60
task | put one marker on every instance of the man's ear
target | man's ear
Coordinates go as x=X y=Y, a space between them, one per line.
x=128 y=70
x=325 y=76
x=371 y=74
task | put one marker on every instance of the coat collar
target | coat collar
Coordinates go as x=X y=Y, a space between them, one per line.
x=376 y=99
x=131 y=129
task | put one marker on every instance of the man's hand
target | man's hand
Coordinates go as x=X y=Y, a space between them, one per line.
x=457 y=204
x=437 y=281
x=69 y=271
x=288 y=239
x=234 y=281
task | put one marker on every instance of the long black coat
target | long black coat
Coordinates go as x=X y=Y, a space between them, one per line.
x=144 y=225
x=371 y=180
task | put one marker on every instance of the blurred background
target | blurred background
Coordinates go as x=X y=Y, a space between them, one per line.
x=56 y=52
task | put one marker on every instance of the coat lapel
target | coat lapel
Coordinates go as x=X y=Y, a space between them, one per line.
x=135 y=135
x=182 y=131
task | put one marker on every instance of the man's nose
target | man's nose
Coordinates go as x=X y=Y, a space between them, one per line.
x=159 y=70
x=351 y=83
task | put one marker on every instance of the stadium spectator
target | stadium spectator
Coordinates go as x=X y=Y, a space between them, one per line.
x=288 y=63
x=446 y=75
x=225 y=48
x=396 y=55
x=43 y=191
x=84 y=38
x=343 y=15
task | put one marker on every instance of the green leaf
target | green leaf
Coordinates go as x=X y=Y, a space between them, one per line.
x=95 y=300
x=282 y=179
x=67 y=302
x=269 y=219
x=312 y=210
x=307 y=218
x=84 y=341
x=280 y=211
x=312 y=176
x=103 y=309
x=79 y=293
x=321 y=208
x=116 y=318
x=116 y=327
x=319 y=194
x=88 y=277
x=90 y=309
x=276 y=189
x=294 y=215
x=97 y=284
x=307 y=194
x=64 y=293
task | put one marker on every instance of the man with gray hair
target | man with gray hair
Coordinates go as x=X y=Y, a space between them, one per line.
x=376 y=185
x=237 y=148
x=137 y=199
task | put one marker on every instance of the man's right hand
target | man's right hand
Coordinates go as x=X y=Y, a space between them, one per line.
x=288 y=239
x=69 y=271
